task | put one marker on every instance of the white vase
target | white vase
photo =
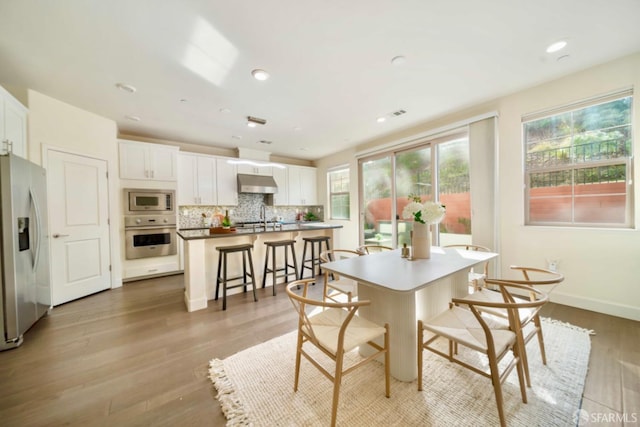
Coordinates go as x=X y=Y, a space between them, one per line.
x=421 y=241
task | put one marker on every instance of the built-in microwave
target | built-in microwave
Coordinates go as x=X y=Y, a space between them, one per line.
x=140 y=201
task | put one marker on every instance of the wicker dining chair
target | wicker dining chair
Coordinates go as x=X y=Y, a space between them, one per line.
x=538 y=278
x=334 y=285
x=335 y=329
x=371 y=249
x=467 y=327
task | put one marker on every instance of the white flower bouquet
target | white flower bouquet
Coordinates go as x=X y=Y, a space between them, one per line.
x=424 y=213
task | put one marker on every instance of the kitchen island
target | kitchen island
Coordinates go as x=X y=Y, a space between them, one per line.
x=201 y=256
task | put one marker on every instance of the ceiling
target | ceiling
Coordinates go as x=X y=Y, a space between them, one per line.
x=331 y=74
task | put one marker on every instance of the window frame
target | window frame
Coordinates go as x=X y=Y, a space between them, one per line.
x=339 y=169
x=574 y=167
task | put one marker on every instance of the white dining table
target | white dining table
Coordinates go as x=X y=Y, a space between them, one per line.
x=404 y=291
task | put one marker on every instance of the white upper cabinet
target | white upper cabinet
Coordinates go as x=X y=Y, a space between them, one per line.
x=13 y=125
x=302 y=185
x=281 y=198
x=196 y=180
x=141 y=160
x=255 y=170
x=226 y=182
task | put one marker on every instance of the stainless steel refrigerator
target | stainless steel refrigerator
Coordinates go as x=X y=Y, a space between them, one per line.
x=24 y=248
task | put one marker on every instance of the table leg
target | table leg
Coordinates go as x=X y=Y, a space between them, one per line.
x=399 y=310
x=402 y=311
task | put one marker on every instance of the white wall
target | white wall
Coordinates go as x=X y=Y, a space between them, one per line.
x=55 y=124
x=346 y=237
x=601 y=266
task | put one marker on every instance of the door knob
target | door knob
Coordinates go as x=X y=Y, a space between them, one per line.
x=55 y=236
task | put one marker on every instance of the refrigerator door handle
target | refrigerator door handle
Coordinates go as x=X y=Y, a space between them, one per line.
x=38 y=229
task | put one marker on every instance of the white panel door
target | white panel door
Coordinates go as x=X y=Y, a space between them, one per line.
x=78 y=218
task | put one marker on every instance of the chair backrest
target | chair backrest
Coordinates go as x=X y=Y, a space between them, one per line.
x=511 y=304
x=369 y=249
x=336 y=255
x=305 y=307
x=479 y=248
x=539 y=278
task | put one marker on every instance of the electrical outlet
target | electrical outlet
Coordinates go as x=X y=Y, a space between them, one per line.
x=552 y=264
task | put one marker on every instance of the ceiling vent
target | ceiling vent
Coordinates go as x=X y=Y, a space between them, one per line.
x=398 y=113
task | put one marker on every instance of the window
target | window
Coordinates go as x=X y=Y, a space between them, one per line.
x=578 y=165
x=339 y=193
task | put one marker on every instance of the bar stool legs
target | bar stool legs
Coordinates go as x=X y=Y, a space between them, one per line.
x=315 y=257
x=224 y=279
x=287 y=245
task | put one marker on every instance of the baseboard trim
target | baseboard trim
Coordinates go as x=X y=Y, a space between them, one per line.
x=599 y=306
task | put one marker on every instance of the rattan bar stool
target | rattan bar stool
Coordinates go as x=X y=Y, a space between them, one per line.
x=222 y=278
x=288 y=246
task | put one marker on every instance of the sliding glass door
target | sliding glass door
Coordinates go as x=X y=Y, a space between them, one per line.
x=376 y=192
x=435 y=170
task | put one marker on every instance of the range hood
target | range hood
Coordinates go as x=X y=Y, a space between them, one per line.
x=262 y=184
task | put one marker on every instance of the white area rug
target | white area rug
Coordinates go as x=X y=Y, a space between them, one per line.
x=255 y=388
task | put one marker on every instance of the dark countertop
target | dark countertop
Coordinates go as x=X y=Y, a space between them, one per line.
x=203 y=233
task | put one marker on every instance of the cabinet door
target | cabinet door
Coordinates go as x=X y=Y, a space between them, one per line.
x=187 y=192
x=206 y=180
x=15 y=128
x=293 y=180
x=226 y=183
x=255 y=170
x=134 y=163
x=308 y=189
x=164 y=163
x=281 y=198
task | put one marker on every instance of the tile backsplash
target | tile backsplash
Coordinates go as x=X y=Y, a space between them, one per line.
x=248 y=209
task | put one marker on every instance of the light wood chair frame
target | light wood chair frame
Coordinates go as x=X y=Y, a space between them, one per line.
x=366 y=249
x=529 y=316
x=306 y=335
x=511 y=306
x=332 y=280
x=475 y=283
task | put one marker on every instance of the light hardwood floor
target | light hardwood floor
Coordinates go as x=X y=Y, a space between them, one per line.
x=134 y=357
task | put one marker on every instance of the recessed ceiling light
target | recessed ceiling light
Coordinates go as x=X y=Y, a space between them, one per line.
x=126 y=87
x=224 y=110
x=236 y=136
x=381 y=119
x=259 y=74
x=554 y=47
x=398 y=60
x=132 y=118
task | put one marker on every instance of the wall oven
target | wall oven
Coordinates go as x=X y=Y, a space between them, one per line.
x=149 y=223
